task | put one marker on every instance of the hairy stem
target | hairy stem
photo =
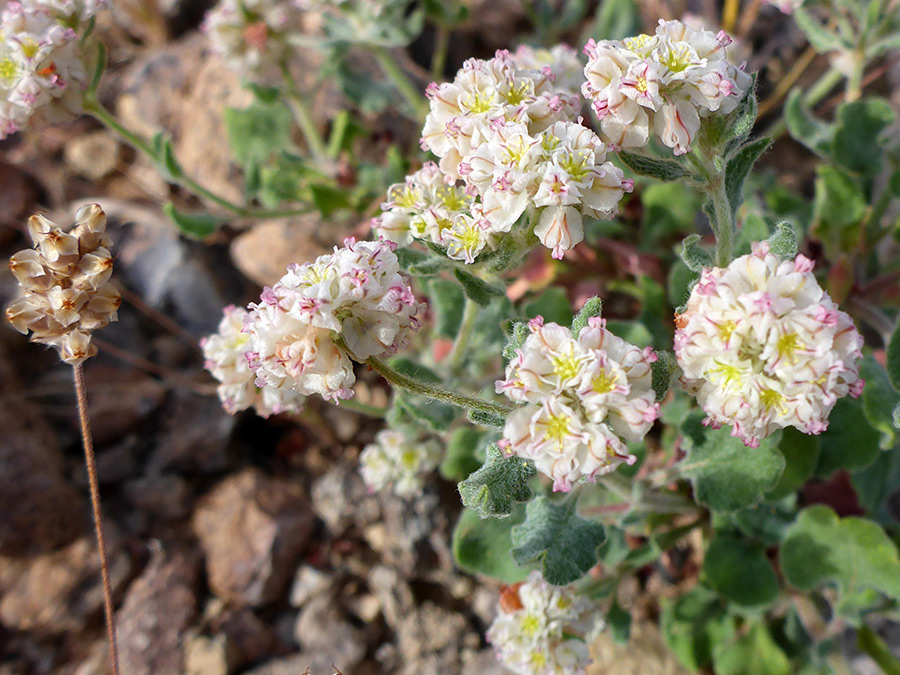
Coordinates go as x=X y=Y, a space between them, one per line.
x=96 y=110
x=723 y=227
x=416 y=101
x=363 y=408
x=303 y=118
x=436 y=393
x=88 y=443
x=439 y=57
x=460 y=344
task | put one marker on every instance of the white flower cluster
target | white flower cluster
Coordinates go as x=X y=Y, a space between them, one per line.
x=562 y=61
x=42 y=62
x=668 y=81
x=763 y=347
x=544 y=629
x=583 y=396
x=398 y=461
x=226 y=359
x=66 y=292
x=351 y=304
x=254 y=37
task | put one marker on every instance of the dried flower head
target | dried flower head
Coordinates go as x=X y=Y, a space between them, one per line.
x=543 y=629
x=42 y=61
x=585 y=397
x=398 y=461
x=66 y=292
x=667 y=82
x=763 y=347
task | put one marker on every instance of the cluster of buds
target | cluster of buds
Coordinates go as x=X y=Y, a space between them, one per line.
x=669 y=82
x=254 y=37
x=66 y=292
x=225 y=352
x=398 y=461
x=543 y=629
x=584 y=396
x=302 y=335
x=42 y=61
x=763 y=347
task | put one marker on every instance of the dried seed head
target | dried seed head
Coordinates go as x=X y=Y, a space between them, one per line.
x=66 y=292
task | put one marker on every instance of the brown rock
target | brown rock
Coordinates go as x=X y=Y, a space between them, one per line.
x=252 y=528
x=156 y=614
x=59 y=591
x=119 y=399
x=264 y=252
x=93 y=155
x=322 y=629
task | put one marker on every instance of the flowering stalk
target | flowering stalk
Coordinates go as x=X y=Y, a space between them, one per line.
x=457 y=353
x=303 y=117
x=90 y=462
x=95 y=109
x=437 y=393
x=723 y=227
x=417 y=103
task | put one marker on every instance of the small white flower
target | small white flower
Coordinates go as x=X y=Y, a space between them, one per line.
x=763 y=347
x=399 y=462
x=583 y=396
x=543 y=629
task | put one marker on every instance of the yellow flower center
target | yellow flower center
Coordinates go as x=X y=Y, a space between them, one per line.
x=677 y=59
x=530 y=624
x=726 y=328
x=29 y=48
x=8 y=69
x=515 y=152
x=516 y=94
x=576 y=164
x=729 y=373
x=409 y=459
x=641 y=84
x=470 y=237
x=557 y=428
x=771 y=398
x=405 y=197
x=604 y=382
x=566 y=366
x=788 y=344
x=637 y=42
x=451 y=198
x=479 y=102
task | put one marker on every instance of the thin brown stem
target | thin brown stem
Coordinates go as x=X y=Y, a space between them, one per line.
x=154 y=314
x=88 y=441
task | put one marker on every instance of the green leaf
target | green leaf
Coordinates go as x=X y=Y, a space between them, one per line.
x=410 y=256
x=801 y=456
x=660 y=169
x=258 y=131
x=493 y=490
x=619 y=620
x=693 y=624
x=857 y=143
x=848 y=443
x=754 y=653
x=482 y=546
x=767 y=521
x=553 y=305
x=681 y=281
x=554 y=535
x=194 y=225
x=662 y=371
x=476 y=289
x=428 y=267
x=593 y=307
x=448 y=302
x=99 y=66
x=461 y=458
x=167 y=160
x=804 y=127
x=616 y=20
x=879 y=399
x=727 y=475
x=517 y=337
x=818 y=35
x=893 y=358
x=739 y=167
x=742 y=120
x=328 y=199
x=838 y=209
x=431 y=415
x=670 y=211
x=784 y=242
x=753 y=229
x=872 y=644
x=631 y=331
x=695 y=257
x=740 y=571
x=852 y=552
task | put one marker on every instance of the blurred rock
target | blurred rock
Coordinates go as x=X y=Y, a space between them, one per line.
x=60 y=591
x=322 y=629
x=165 y=495
x=430 y=641
x=483 y=662
x=394 y=594
x=263 y=252
x=18 y=194
x=155 y=615
x=645 y=654
x=93 y=155
x=251 y=529
x=118 y=399
x=340 y=498
x=296 y=664
x=194 y=434
x=308 y=583
x=40 y=510
x=208 y=656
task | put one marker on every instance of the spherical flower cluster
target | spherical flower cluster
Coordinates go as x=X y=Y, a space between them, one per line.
x=483 y=93
x=42 y=61
x=562 y=171
x=585 y=397
x=668 y=81
x=226 y=359
x=763 y=347
x=562 y=60
x=428 y=206
x=352 y=303
x=544 y=629
x=398 y=461
x=66 y=292
x=254 y=36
